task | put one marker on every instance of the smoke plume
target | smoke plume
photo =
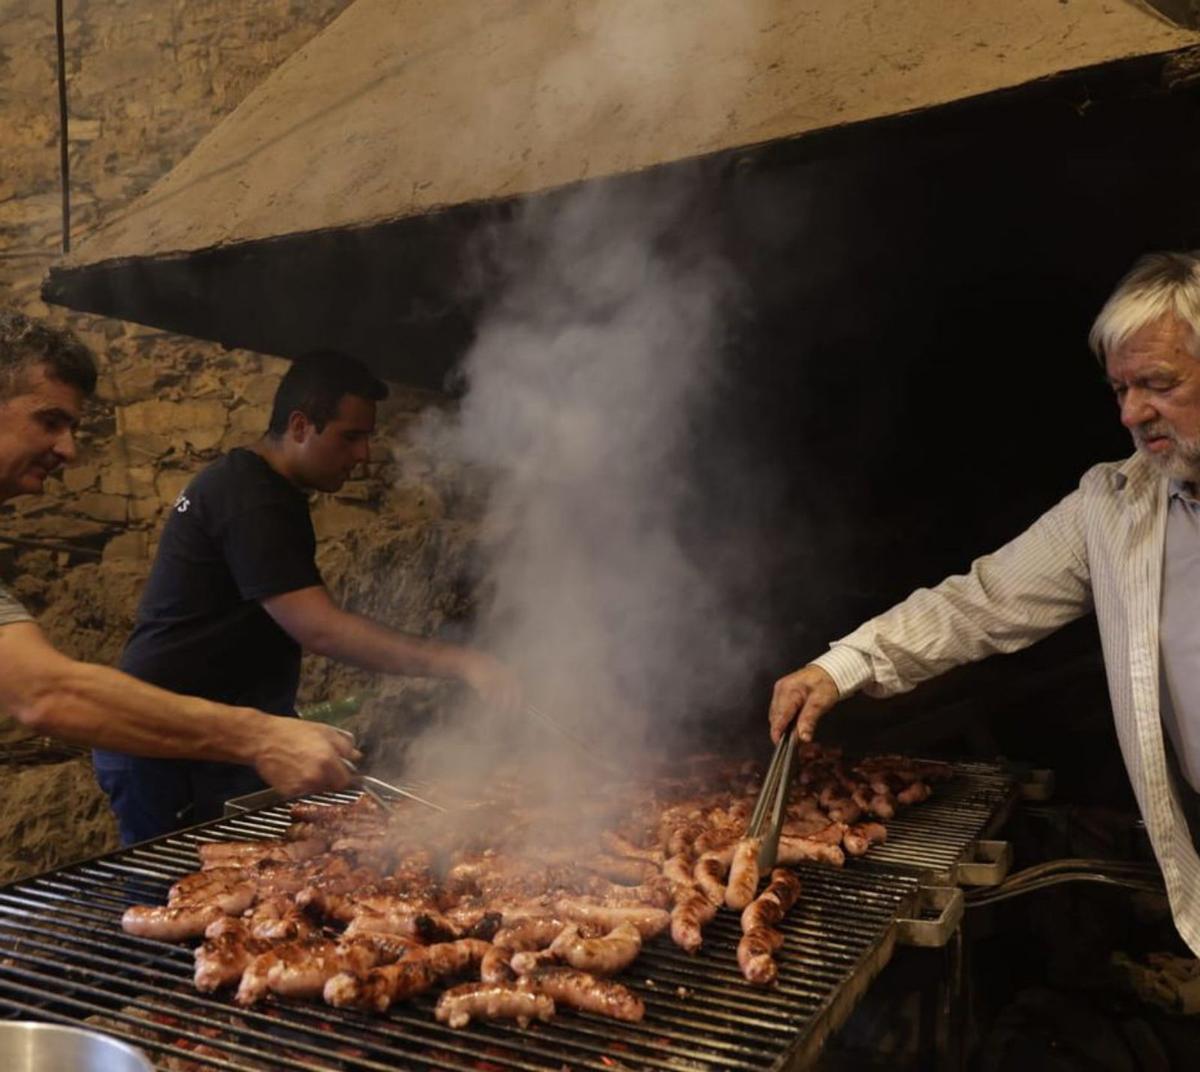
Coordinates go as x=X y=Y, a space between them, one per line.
x=593 y=386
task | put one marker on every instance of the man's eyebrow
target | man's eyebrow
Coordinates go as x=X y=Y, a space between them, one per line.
x=1145 y=375
x=57 y=413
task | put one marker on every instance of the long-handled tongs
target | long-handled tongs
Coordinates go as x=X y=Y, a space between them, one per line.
x=376 y=788
x=770 y=810
x=587 y=751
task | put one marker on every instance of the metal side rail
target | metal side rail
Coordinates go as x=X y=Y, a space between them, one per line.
x=1139 y=877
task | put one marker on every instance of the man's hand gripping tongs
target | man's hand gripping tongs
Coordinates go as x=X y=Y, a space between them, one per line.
x=770 y=810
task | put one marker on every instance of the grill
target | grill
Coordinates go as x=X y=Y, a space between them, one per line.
x=64 y=957
x=934 y=838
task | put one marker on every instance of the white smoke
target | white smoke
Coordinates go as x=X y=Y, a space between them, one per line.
x=597 y=366
x=594 y=369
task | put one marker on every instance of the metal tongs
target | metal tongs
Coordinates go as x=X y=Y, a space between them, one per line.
x=587 y=751
x=376 y=787
x=770 y=810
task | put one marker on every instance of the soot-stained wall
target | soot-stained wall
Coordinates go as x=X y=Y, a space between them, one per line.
x=916 y=365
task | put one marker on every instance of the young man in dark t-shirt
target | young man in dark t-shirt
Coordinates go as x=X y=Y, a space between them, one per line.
x=234 y=595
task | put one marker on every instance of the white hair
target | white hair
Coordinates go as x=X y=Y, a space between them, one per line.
x=1158 y=284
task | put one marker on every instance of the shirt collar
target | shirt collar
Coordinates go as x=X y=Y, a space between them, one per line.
x=1181 y=489
x=1134 y=473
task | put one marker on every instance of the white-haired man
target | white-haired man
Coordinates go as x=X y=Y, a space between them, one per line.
x=45 y=375
x=1126 y=543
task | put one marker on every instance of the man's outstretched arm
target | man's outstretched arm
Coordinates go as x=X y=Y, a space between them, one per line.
x=1007 y=600
x=51 y=694
x=311 y=618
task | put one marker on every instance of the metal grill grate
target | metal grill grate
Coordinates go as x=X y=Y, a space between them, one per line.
x=929 y=840
x=64 y=957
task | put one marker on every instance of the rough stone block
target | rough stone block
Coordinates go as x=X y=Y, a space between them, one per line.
x=249 y=420
x=83 y=129
x=102 y=507
x=199 y=423
x=205 y=439
x=27 y=212
x=412 y=502
x=133 y=382
x=148 y=445
x=259 y=389
x=145 y=509
x=53 y=814
x=127 y=545
x=170 y=482
x=143 y=479
x=80 y=477
x=333 y=519
x=63 y=527
x=359 y=491
x=127 y=480
x=274 y=366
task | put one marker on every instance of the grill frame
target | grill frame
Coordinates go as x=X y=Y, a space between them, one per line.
x=72 y=959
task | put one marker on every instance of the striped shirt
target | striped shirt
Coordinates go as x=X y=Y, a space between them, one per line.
x=1101 y=548
x=1179 y=625
x=11 y=611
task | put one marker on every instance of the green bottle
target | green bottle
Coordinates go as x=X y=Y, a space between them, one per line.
x=332 y=712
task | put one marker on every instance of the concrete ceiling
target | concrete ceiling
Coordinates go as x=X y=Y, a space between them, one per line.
x=402 y=107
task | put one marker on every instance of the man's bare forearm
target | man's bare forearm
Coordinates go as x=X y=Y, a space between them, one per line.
x=315 y=622
x=59 y=697
x=368 y=645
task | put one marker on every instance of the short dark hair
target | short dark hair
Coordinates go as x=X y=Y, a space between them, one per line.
x=26 y=343
x=316 y=383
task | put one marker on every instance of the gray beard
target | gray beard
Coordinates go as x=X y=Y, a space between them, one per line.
x=1181 y=463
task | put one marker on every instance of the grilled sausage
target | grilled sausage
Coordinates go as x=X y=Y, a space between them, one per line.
x=769 y=907
x=692 y=909
x=607 y=955
x=579 y=990
x=174 y=923
x=648 y=921
x=380 y=987
x=796 y=850
x=710 y=871
x=743 y=873
x=220 y=961
x=755 y=955
x=492 y=1001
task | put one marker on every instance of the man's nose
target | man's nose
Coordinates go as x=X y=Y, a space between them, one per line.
x=1136 y=409
x=65 y=446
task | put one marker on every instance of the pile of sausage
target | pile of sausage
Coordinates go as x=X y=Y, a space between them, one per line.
x=366 y=910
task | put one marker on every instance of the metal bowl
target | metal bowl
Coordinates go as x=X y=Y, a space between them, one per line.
x=34 y=1047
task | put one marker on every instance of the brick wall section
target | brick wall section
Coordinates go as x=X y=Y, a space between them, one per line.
x=147 y=79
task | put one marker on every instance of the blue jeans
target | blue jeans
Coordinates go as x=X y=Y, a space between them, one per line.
x=154 y=797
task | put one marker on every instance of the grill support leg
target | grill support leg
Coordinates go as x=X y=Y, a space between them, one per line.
x=952 y=1030
x=944 y=996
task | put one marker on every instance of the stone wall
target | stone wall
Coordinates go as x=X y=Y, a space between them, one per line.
x=147 y=79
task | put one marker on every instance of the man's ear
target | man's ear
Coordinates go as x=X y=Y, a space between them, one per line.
x=298 y=426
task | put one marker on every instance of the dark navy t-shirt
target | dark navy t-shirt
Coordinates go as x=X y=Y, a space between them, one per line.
x=238 y=534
